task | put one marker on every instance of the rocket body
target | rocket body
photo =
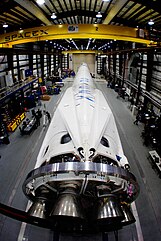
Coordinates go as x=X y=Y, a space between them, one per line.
x=81 y=171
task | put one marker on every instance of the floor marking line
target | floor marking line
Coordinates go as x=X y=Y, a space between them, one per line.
x=137 y=223
x=23 y=226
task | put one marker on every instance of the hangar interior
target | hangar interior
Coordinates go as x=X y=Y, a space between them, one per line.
x=41 y=48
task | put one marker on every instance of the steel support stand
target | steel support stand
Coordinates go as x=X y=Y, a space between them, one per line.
x=56 y=236
x=116 y=235
x=104 y=236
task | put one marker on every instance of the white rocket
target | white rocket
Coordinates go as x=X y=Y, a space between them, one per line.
x=83 y=126
x=81 y=172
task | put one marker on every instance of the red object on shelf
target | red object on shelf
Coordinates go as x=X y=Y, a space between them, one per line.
x=43 y=89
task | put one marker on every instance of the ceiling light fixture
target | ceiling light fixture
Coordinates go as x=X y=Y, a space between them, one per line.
x=151 y=22
x=40 y=2
x=5 y=25
x=99 y=15
x=53 y=16
x=105 y=0
x=21 y=30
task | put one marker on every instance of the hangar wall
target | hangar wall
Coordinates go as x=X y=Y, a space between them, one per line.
x=140 y=73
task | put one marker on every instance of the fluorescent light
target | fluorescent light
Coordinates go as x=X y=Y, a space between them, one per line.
x=89 y=41
x=5 y=25
x=99 y=15
x=151 y=22
x=53 y=16
x=105 y=0
x=40 y=2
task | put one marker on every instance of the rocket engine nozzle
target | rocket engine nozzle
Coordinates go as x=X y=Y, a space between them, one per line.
x=67 y=213
x=129 y=217
x=109 y=210
x=38 y=209
x=67 y=205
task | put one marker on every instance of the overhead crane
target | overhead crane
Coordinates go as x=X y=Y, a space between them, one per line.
x=79 y=31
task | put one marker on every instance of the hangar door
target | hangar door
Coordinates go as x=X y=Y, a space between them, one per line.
x=89 y=59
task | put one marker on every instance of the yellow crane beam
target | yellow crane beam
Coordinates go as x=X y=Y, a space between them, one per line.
x=80 y=31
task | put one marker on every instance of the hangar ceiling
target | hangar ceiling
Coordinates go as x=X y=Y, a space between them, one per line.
x=22 y=14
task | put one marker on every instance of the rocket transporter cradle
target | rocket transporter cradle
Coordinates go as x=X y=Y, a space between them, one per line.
x=82 y=181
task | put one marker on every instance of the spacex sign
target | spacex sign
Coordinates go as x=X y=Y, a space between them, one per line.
x=28 y=34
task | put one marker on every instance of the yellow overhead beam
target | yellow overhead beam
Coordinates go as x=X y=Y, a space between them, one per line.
x=82 y=52
x=80 y=31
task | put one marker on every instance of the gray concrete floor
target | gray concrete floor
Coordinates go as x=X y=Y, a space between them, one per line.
x=19 y=157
